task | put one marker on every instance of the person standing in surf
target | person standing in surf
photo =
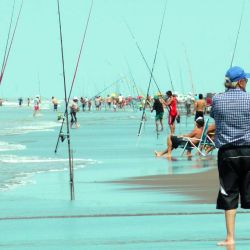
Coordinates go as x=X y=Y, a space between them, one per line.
x=73 y=109
x=158 y=107
x=54 y=102
x=36 y=107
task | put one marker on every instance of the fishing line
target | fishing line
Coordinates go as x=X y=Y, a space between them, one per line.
x=236 y=40
x=60 y=136
x=142 y=55
x=8 y=37
x=132 y=77
x=152 y=70
x=11 y=42
x=170 y=77
x=189 y=68
x=72 y=196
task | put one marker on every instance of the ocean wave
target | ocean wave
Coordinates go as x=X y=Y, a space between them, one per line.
x=5 y=146
x=34 y=127
x=35 y=159
x=18 y=170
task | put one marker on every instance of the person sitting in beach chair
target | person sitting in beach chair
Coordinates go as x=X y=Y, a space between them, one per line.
x=184 y=141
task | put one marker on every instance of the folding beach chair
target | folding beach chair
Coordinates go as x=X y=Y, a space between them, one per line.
x=208 y=145
x=189 y=145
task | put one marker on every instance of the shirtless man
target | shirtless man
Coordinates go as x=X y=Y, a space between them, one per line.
x=54 y=102
x=199 y=107
x=174 y=142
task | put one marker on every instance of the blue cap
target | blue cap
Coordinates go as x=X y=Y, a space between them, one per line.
x=236 y=73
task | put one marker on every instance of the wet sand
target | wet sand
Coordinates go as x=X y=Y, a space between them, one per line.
x=200 y=187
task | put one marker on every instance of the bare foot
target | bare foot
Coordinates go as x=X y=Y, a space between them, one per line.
x=157 y=154
x=226 y=243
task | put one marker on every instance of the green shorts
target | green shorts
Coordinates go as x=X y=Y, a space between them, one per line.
x=159 y=116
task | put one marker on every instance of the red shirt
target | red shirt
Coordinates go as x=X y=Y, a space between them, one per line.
x=173 y=107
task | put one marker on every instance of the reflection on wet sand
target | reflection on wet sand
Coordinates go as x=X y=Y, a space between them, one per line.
x=201 y=187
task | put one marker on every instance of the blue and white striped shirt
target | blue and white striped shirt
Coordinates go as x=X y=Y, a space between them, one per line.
x=231 y=112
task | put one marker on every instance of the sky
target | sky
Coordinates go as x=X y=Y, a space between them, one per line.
x=197 y=43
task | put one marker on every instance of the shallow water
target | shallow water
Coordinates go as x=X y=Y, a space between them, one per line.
x=106 y=145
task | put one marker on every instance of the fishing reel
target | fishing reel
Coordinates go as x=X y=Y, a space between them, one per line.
x=62 y=136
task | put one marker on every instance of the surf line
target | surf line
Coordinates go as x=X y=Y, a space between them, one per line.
x=46 y=217
x=8 y=49
x=67 y=98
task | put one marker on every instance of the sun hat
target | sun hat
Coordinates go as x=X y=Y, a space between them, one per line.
x=236 y=73
x=75 y=98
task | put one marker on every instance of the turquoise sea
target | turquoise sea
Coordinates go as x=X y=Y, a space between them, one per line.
x=105 y=147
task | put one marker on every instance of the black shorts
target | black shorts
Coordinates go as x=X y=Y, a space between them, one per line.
x=177 y=142
x=198 y=114
x=234 y=175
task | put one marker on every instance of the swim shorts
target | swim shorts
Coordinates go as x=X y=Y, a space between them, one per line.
x=171 y=119
x=234 y=175
x=159 y=116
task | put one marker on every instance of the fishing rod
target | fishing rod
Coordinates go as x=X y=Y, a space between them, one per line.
x=67 y=99
x=132 y=77
x=236 y=40
x=99 y=93
x=11 y=42
x=142 y=55
x=171 y=82
x=181 y=80
x=152 y=70
x=189 y=69
x=72 y=193
x=39 y=86
x=8 y=37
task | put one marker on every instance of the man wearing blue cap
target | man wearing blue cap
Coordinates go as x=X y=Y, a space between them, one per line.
x=231 y=112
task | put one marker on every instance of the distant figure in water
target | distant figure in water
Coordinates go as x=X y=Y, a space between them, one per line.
x=73 y=109
x=36 y=107
x=54 y=102
x=20 y=101
x=28 y=101
x=174 y=142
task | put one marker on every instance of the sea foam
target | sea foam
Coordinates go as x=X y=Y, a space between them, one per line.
x=5 y=146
